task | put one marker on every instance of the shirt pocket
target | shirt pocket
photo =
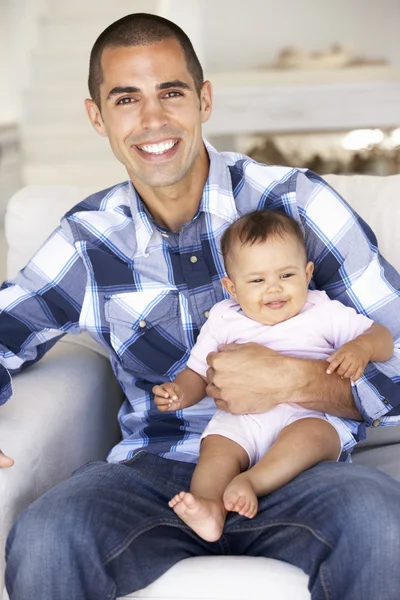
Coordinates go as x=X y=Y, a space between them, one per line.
x=146 y=332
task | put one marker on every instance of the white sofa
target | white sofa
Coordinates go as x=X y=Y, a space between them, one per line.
x=74 y=381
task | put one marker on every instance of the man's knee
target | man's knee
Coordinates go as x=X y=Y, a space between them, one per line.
x=366 y=511
x=45 y=526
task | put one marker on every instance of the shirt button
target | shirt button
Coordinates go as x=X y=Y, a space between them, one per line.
x=386 y=401
x=193 y=259
x=206 y=313
x=142 y=324
x=376 y=423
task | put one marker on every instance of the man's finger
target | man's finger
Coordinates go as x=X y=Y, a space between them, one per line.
x=210 y=374
x=211 y=357
x=221 y=404
x=5 y=461
x=229 y=347
x=212 y=391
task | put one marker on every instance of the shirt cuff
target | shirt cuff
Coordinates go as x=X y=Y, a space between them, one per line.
x=370 y=403
x=6 y=390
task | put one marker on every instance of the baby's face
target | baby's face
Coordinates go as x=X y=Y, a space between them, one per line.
x=269 y=279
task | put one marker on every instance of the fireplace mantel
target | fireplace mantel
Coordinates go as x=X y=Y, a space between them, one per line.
x=316 y=100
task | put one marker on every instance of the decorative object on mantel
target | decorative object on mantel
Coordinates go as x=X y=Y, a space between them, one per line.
x=364 y=151
x=338 y=56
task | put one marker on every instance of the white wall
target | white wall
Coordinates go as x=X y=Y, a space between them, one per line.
x=240 y=34
x=8 y=97
x=18 y=29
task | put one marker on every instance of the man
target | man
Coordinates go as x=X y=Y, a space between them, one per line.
x=138 y=266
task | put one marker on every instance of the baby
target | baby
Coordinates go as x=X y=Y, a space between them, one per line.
x=245 y=456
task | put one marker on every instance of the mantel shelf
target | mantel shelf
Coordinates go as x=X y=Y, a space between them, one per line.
x=283 y=100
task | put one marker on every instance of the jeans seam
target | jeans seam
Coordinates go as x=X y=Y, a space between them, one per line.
x=113 y=595
x=324 y=584
x=284 y=523
x=128 y=540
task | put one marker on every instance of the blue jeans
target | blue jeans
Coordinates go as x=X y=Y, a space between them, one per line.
x=102 y=533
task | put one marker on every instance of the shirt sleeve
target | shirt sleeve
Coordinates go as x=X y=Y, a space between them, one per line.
x=345 y=323
x=40 y=305
x=207 y=341
x=350 y=268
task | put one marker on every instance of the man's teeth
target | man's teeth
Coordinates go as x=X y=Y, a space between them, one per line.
x=158 y=148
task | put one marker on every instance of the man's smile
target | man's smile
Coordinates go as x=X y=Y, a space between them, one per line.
x=165 y=150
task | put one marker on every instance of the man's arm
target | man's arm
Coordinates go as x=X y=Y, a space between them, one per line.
x=39 y=306
x=350 y=269
x=248 y=378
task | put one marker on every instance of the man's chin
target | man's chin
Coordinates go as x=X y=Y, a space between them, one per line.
x=155 y=180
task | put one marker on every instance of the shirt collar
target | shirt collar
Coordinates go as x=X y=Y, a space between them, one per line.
x=217 y=199
x=217 y=196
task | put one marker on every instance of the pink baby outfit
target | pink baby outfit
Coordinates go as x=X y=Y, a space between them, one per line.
x=320 y=328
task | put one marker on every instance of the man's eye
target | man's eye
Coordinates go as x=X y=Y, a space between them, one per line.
x=173 y=94
x=126 y=100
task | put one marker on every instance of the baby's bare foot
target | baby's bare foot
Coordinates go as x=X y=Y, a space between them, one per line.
x=205 y=517
x=239 y=496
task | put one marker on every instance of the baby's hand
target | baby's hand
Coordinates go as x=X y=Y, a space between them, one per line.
x=350 y=360
x=168 y=396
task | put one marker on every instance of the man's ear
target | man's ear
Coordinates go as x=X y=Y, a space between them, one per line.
x=94 y=114
x=229 y=286
x=205 y=101
x=309 y=271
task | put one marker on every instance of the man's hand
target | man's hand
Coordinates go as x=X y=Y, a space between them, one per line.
x=5 y=461
x=168 y=396
x=350 y=360
x=247 y=378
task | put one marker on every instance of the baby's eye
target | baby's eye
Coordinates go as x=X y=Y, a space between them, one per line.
x=256 y=280
x=287 y=275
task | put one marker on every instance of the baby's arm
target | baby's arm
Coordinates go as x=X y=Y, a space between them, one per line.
x=188 y=389
x=376 y=344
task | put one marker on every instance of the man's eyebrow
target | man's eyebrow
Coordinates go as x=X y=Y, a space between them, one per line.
x=176 y=83
x=123 y=90
x=166 y=85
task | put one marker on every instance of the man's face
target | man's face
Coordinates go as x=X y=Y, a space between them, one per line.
x=151 y=113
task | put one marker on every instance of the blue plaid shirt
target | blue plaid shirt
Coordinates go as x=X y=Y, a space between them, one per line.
x=143 y=292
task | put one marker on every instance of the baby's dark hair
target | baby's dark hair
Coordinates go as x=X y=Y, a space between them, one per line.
x=258 y=226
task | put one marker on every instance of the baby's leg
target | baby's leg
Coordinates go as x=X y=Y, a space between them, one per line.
x=298 y=447
x=221 y=459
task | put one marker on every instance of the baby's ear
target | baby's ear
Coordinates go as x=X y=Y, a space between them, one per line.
x=229 y=286
x=309 y=271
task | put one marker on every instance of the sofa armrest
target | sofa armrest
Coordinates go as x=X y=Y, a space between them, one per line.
x=63 y=414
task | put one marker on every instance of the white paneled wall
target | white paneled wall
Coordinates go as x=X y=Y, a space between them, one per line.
x=242 y=35
x=58 y=142
x=60 y=146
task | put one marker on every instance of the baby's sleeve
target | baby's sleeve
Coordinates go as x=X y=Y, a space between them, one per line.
x=346 y=324
x=207 y=341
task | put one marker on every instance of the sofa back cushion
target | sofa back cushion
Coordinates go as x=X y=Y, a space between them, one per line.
x=35 y=211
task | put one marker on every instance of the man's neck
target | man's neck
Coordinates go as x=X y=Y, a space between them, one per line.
x=173 y=206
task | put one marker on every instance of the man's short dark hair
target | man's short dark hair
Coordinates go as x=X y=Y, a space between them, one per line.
x=140 y=29
x=258 y=226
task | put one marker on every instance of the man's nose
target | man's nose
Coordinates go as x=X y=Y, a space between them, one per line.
x=153 y=115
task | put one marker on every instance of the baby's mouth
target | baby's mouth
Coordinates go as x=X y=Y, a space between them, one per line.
x=276 y=304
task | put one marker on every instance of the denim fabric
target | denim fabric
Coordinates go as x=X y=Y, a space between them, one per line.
x=108 y=531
